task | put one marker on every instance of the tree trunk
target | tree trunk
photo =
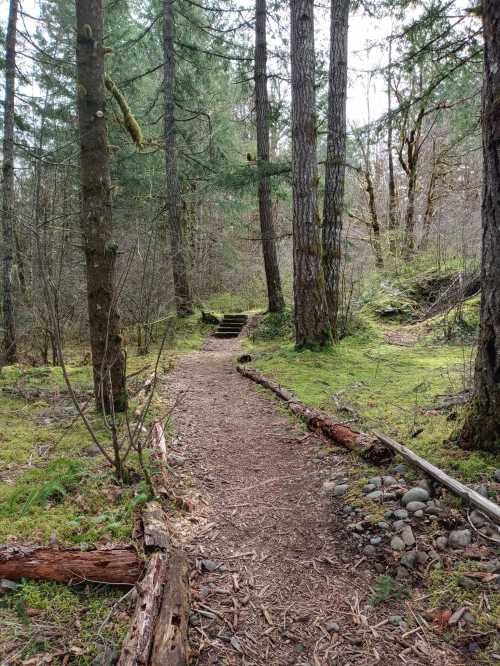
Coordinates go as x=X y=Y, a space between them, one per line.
x=372 y=205
x=121 y=566
x=96 y=213
x=312 y=328
x=9 y=321
x=274 y=293
x=409 y=238
x=175 y=216
x=392 y=225
x=482 y=426
x=429 y=201
x=333 y=205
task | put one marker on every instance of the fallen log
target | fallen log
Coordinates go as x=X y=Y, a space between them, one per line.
x=170 y=645
x=367 y=446
x=137 y=645
x=154 y=521
x=119 y=566
x=467 y=494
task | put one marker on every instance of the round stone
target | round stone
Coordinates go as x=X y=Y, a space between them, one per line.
x=415 y=506
x=415 y=495
x=340 y=490
x=401 y=514
x=397 y=543
x=459 y=538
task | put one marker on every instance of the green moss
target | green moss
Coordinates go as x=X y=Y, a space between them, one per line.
x=393 y=388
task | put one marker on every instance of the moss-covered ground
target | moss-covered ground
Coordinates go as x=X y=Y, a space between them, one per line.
x=55 y=487
x=387 y=377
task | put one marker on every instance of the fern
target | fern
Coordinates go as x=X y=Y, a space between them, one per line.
x=387 y=588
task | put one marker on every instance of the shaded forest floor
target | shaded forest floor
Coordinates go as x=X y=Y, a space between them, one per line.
x=278 y=579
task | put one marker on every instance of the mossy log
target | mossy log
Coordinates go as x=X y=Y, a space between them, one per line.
x=170 y=646
x=367 y=446
x=137 y=646
x=119 y=566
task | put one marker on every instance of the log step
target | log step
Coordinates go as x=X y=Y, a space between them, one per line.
x=231 y=326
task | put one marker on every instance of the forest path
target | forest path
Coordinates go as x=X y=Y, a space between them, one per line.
x=276 y=582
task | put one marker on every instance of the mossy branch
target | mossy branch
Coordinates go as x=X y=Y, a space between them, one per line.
x=133 y=127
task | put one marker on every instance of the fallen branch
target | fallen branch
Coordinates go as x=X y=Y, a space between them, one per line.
x=137 y=645
x=471 y=496
x=154 y=521
x=170 y=646
x=367 y=446
x=118 y=566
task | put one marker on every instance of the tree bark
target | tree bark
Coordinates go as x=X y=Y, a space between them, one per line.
x=372 y=205
x=96 y=211
x=271 y=266
x=333 y=204
x=136 y=649
x=312 y=328
x=9 y=321
x=175 y=216
x=170 y=647
x=482 y=426
x=120 y=566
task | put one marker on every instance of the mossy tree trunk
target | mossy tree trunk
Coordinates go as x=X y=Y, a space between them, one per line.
x=271 y=266
x=333 y=205
x=312 y=328
x=482 y=427
x=175 y=215
x=96 y=211
x=9 y=320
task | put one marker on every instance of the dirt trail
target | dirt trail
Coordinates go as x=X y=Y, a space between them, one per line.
x=286 y=588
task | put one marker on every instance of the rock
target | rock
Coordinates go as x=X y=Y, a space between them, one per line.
x=388 y=514
x=401 y=514
x=379 y=567
x=497 y=475
x=415 y=495
x=434 y=508
x=375 y=481
x=389 y=481
x=369 y=549
x=467 y=583
x=469 y=618
x=482 y=489
x=407 y=536
x=399 y=525
x=210 y=565
x=426 y=484
x=457 y=615
x=369 y=488
x=441 y=542
x=459 y=538
x=477 y=518
x=419 y=514
x=383 y=525
x=415 y=506
x=376 y=540
x=340 y=490
x=409 y=560
x=175 y=460
x=328 y=487
x=396 y=620
x=422 y=557
x=359 y=527
x=493 y=566
x=375 y=495
x=204 y=592
x=332 y=627
x=397 y=543
x=401 y=469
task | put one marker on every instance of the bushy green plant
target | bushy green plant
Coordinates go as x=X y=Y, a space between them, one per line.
x=387 y=588
x=274 y=325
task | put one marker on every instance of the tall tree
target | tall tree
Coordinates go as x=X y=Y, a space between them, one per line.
x=274 y=293
x=482 y=427
x=311 y=313
x=333 y=205
x=183 y=301
x=392 y=225
x=96 y=210
x=9 y=321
